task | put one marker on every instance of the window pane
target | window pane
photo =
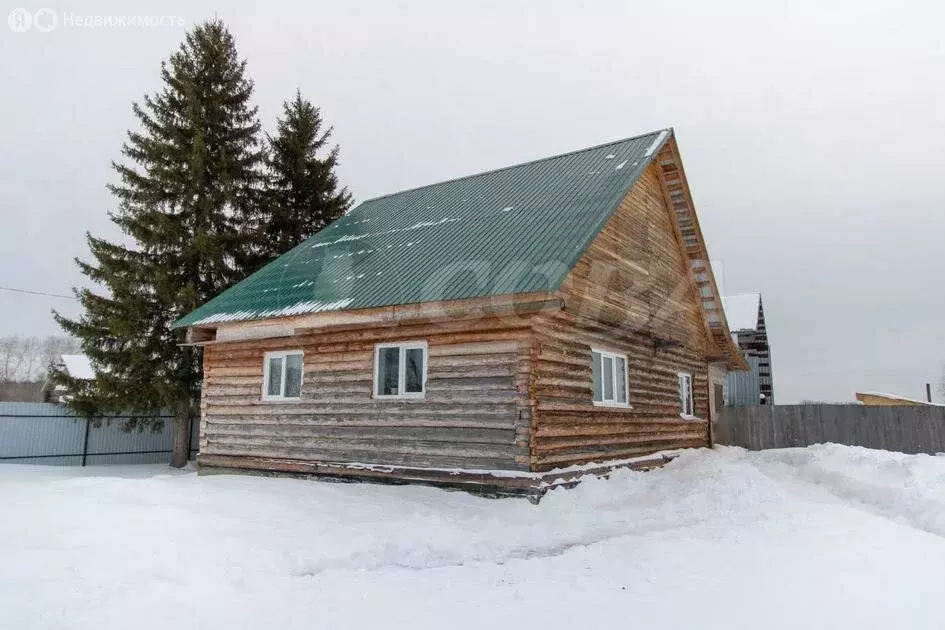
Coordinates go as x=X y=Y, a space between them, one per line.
x=388 y=371
x=293 y=376
x=685 y=394
x=595 y=375
x=274 y=386
x=414 y=370
x=620 y=374
x=608 y=378
x=689 y=407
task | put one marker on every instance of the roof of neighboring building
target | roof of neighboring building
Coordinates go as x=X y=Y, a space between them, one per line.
x=868 y=398
x=517 y=229
x=741 y=311
x=78 y=366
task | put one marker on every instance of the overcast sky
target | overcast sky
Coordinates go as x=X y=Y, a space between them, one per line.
x=812 y=135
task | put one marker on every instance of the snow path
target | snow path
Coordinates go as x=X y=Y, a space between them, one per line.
x=824 y=537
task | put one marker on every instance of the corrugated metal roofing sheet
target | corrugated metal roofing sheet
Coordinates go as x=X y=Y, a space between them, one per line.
x=517 y=229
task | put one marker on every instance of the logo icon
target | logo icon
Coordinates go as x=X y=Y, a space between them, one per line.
x=20 y=20
x=45 y=20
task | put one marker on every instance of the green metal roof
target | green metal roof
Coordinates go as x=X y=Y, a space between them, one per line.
x=517 y=229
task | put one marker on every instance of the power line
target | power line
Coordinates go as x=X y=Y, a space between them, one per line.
x=56 y=295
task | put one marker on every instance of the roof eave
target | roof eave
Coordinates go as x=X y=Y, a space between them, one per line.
x=524 y=305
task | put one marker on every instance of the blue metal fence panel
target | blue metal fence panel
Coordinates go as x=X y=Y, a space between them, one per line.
x=50 y=434
x=40 y=435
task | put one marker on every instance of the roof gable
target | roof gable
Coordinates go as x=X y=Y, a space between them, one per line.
x=517 y=229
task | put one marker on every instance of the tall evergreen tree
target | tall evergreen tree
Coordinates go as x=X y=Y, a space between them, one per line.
x=303 y=194
x=192 y=177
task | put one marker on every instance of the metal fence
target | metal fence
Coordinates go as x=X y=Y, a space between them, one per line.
x=743 y=389
x=909 y=429
x=49 y=434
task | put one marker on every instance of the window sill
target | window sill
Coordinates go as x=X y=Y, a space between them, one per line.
x=612 y=405
x=280 y=400
x=401 y=397
x=690 y=418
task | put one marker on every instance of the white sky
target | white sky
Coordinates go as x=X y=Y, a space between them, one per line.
x=811 y=133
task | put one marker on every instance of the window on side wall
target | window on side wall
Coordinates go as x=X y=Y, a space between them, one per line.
x=685 y=396
x=282 y=375
x=400 y=370
x=609 y=373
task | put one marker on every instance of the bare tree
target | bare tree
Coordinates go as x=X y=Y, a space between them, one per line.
x=11 y=357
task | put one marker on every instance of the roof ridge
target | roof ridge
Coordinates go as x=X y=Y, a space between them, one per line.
x=510 y=166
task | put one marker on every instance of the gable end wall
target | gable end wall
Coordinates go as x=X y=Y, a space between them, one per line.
x=630 y=293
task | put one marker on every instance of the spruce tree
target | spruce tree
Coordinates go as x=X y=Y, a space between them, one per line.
x=303 y=194
x=190 y=180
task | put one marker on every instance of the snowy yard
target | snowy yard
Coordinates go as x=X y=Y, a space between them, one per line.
x=824 y=537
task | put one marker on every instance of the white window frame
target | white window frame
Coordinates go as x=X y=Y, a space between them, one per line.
x=626 y=378
x=687 y=378
x=275 y=354
x=402 y=370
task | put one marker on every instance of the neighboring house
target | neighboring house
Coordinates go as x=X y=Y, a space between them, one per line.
x=77 y=366
x=482 y=330
x=889 y=400
x=746 y=319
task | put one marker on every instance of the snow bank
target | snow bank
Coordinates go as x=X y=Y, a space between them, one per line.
x=909 y=489
x=823 y=537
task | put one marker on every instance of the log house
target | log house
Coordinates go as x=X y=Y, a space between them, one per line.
x=506 y=331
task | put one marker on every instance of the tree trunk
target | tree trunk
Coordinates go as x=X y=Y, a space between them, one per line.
x=181 y=438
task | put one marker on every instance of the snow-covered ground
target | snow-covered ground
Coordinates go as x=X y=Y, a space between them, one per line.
x=824 y=537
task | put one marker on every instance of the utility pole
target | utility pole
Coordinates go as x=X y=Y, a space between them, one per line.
x=928 y=392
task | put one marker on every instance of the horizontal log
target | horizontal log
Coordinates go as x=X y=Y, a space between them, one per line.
x=388 y=452
x=483 y=347
x=546 y=462
x=481 y=481
x=446 y=420
x=458 y=435
x=579 y=445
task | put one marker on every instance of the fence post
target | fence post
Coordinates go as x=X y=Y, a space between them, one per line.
x=85 y=443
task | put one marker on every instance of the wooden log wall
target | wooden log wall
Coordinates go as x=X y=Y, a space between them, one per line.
x=635 y=274
x=475 y=414
x=569 y=429
x=631 y=293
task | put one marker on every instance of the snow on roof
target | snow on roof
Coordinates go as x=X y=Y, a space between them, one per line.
x=741 y=311
x=78 y=366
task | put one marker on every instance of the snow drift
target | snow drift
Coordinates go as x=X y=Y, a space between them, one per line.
x=826 y=536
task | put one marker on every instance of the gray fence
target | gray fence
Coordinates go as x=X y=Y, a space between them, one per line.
x=49 y=434
x=909 y=429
